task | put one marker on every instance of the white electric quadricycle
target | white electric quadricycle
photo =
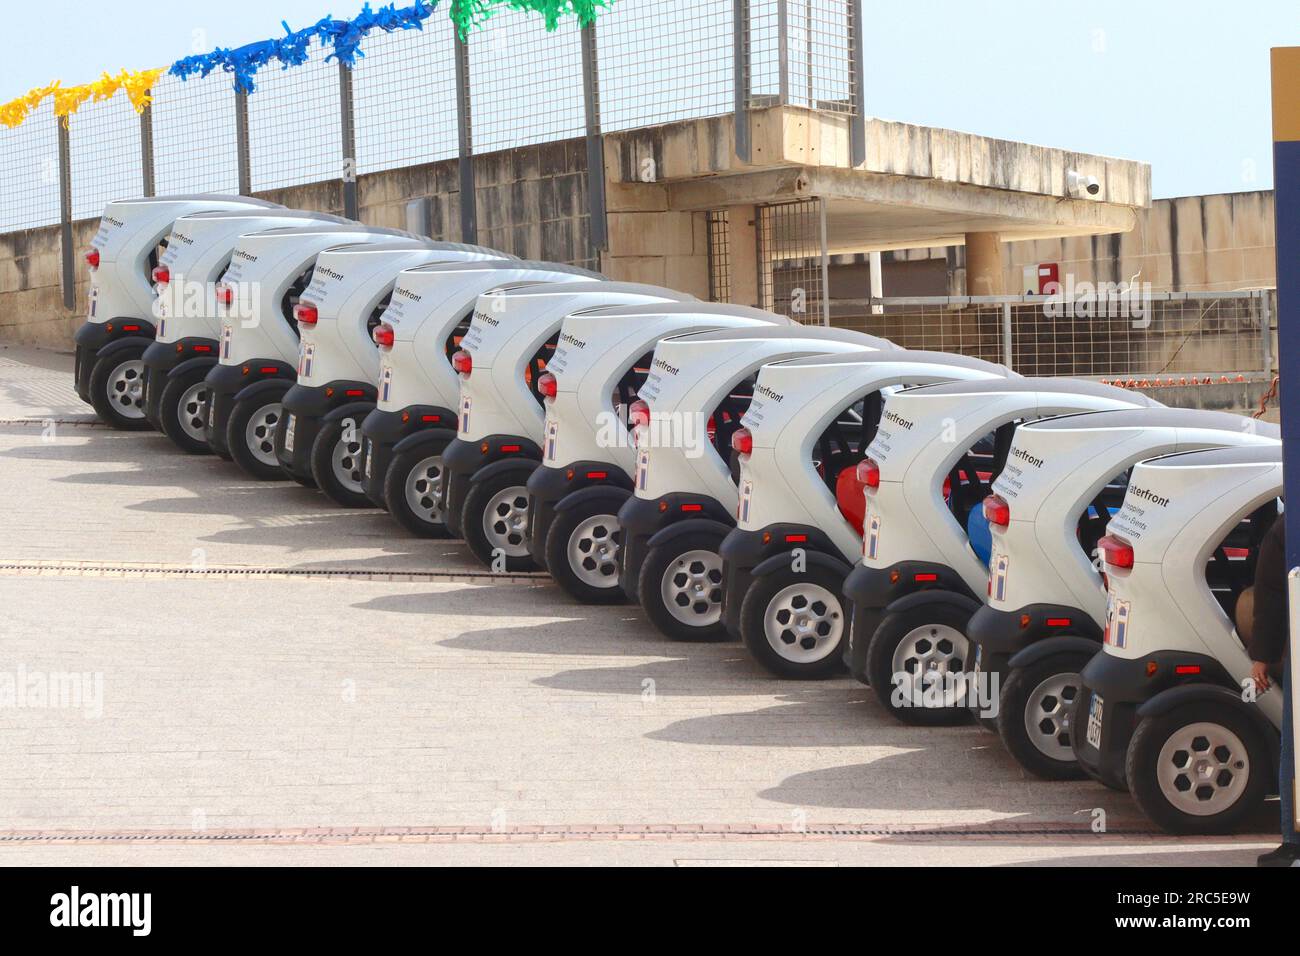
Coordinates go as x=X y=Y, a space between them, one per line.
x=319 y=436
x=799 y=502
x=258 y=347
x=1168 y=709
x=408 y=455
x=588 y=458
x=119 y=326
x=197 y=254
x=920 y=576
x=1046 y=605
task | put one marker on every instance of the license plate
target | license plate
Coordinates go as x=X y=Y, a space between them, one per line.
x=642 y=469
x=212 y=413
x=465 y=404
x=367 y=457
x=746 y=498
x=226 y=332
x=288 y=434
x=871 y=540
x=1095 y=711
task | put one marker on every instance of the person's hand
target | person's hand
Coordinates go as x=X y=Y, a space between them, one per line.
x=1259 y=674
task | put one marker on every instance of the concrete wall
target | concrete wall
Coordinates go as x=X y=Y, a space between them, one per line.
x=530 y=202
x=1209 y=243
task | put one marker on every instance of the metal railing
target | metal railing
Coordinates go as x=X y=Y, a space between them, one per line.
x=1155 y=335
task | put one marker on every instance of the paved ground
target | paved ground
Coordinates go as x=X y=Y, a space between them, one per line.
x=256 y=688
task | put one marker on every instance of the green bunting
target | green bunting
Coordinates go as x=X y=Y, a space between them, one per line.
x=467 y=14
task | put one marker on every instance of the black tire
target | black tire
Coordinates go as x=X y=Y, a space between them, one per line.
x=595 y=580
x=513 y=537
x=110 y=390
x=262 y=408
x=896 y=626
x=1053 y=715
x=1151 y=736
x=424 y=523
x=181 y=415
x=342 y=479
x=671 y=559
x=825 y=655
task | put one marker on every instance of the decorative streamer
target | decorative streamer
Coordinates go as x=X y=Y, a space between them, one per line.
x=467 y=14
x=343 y=37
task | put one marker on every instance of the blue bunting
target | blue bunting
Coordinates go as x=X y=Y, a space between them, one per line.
x=343 y=37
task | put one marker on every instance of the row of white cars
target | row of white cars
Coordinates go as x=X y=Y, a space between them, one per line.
x=1058 y=559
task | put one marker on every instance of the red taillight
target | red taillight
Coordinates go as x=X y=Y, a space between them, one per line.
x=925 y=578
x=225 y=293
x=383 y=335
x=547 y=384
x=869 y=473
x=692 y=507
x=947 y=488
x=1116 y=552
x=1187 y=669
x=997 y=511
x=1058 y=622
x=597 y=476
x=92 y=258
x=742 y=441
x=638 y=413
x=796 y=538
x=161 y=275
x=305 y=313
x=463 y=362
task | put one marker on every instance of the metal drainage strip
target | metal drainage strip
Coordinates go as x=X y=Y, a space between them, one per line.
x=98 y=569
x=666 y=832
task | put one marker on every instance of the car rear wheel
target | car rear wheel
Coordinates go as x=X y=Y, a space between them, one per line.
x=794 y=622
x=183 y=409
x=918 y=661
x=1202 y=767
x=582 y=552
x=680 y=588
x=336 y=463
x=413 y=490
x=117 y=389
x=1036 y=713
x=250 y=434
x=494 y=521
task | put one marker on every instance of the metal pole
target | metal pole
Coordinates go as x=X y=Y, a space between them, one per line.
x=349 y=137
x=740 y=76
x=146 y=149
x=783 y=52
x=826 y=263
x=243 y=159
x=1286 y=179
x=1266 y=327
x=858 y=79
x=598 y=233
x=465 y=138
x=65 y=215
x=1006 y=334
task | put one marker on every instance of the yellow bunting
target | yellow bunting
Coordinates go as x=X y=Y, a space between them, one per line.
x=68 y=99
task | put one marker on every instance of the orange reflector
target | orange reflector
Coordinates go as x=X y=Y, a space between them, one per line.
x=1151 y=668
x=1024 y=620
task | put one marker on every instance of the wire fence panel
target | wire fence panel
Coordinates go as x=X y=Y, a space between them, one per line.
x=29 y=172
x=294 y=124
x=525 y=83
x=719 y=249
x=819 y=54
x=660 y=63
x=764 y=33
x=104 y=139
x=792 y=260
x=1155 y=335
x=404 y=97
x=195 y=148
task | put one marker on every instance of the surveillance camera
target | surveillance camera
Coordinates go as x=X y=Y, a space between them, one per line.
x=1080 y=186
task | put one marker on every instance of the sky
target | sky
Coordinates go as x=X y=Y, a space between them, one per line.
x=1181 y=85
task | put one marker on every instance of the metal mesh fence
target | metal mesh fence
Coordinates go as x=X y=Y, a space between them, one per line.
x=792 y=260
x=719 y=249
x=525 y=83
x=404 y=97
x=659 y=68
x=294 y=130
x=194 y=140
x=104 y=139
x=819 y=41
x=29 y=172
x=1171 y=334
